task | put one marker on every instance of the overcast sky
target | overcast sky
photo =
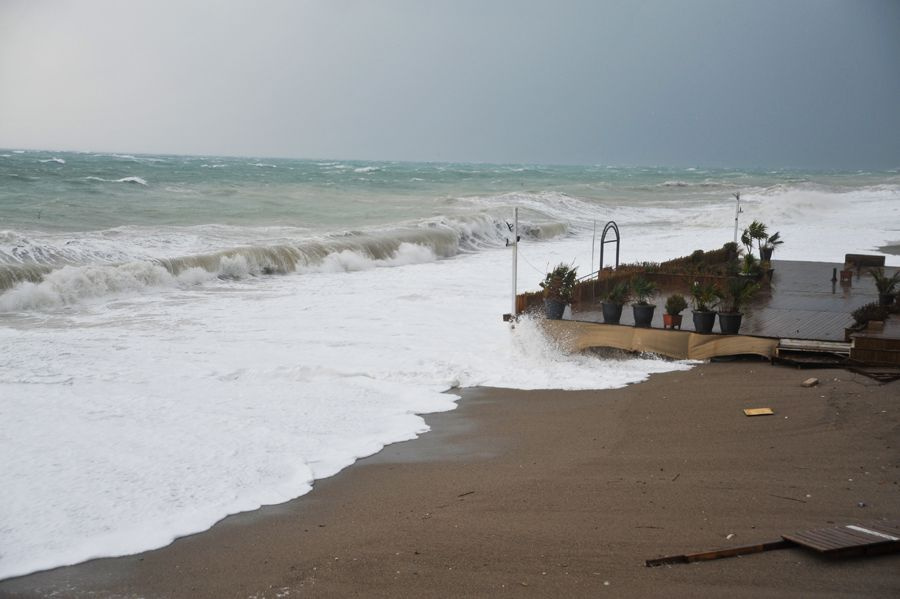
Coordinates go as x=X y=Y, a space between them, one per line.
x=805 y=83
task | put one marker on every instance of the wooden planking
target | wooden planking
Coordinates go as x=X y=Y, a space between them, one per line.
x=847 y=538
x=868 y=538
x=803 y=303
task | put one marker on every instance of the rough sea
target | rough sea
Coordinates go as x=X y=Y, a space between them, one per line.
x=188 y=337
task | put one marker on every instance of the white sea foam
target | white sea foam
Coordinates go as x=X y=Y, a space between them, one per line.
x=137 y=180
x=147 y=405
x=56 y=160
x=366 y=169
x=144 y=420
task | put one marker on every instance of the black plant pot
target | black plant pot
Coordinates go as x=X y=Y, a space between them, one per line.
x=554 y=308
x=765 y=254
x=704 y=321
x=643 y=314
x=885 y=299
x=730 y=322
x=611 y=313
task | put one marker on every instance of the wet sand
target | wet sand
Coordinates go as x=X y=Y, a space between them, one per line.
x=565 y=494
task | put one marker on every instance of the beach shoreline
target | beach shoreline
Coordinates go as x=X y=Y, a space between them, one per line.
x=564 y=493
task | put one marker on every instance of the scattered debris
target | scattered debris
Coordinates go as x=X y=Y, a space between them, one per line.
x=852 y=539
x=788 y=498
x=758 y=411
x=810 y=382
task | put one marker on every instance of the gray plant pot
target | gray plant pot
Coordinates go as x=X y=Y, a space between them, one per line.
x=704 y=321
x=554 y=308
x=643 y=315
x=730 y=322
x=611 y=312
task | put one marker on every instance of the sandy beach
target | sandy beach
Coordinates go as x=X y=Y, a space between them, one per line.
x=565 y=494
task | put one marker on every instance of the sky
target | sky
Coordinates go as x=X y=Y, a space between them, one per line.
x=785 y=83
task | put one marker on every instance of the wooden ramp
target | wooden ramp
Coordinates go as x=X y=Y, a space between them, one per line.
x=840 y=541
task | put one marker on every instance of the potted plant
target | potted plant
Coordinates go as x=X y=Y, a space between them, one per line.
x=773 y=240
x=737 y=293
x=674 y=306
x=558 y=286
x=886 y=285
x=863 y=315
x=704 y=297
x=613 y=300
x=643 y=289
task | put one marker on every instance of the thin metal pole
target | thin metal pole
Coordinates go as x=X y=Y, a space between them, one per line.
x=593 y=241
x=515 y=265
x=737 y=212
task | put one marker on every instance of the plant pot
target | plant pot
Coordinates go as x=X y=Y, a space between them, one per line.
x=611 y=312
x=643 y=314
x=672 y=321
x=885 y=299
x=765 y=254
x=730 y=322
x=554 y=308
x=704 y=321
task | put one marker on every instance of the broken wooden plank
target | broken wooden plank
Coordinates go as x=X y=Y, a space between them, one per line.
x=758 y=412
x=719 y=553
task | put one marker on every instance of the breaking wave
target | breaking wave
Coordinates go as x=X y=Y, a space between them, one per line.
x=137 y=180
x=36 y=276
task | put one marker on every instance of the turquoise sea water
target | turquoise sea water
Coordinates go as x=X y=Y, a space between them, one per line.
x=82 y=191
x=189 y=337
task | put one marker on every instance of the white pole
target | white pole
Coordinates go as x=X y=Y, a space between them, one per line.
x=737 y=212
x=593 y=242
x=515 y=266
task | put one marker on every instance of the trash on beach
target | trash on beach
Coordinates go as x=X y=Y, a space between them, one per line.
x=758 y=412
x=810 y=382
x=852 y=539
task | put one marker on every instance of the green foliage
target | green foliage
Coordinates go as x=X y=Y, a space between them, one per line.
x=774 y=239
x=704 y=296
x=758 y=232
x=675 y=304
x=738 y=292
x=643 y=289
x=617 y=294
x=560 y=283
x=885 y=284
x=867 y=312
x=750 y=265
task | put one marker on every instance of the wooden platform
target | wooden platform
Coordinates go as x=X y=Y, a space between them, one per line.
x=878 y=537
x=803 y=303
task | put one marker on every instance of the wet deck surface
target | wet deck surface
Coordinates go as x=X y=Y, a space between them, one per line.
x=802 y=304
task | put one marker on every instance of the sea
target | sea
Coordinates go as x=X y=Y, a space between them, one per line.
x=188 y=337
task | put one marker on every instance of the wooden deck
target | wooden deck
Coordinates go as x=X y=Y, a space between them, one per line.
x=803 y=303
